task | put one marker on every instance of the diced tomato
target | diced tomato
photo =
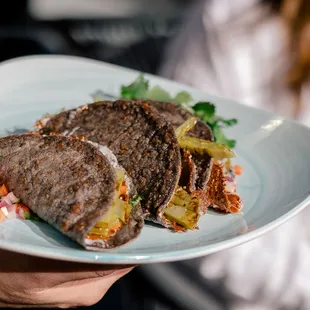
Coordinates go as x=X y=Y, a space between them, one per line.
x=238 y=169
x=123 y=192
x=22 y=211
x=20 y=207
x=3 y=191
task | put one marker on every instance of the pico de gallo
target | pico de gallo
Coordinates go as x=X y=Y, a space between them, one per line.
x=11 y=207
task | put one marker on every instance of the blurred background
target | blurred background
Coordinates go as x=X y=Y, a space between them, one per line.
x=130 y=33
x=231 y=48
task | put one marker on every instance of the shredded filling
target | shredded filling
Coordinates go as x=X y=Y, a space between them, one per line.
x=12 y=207
x=183 y=209
x=117 y=215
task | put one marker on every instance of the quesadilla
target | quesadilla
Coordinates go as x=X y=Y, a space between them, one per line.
x=214 y=181
x=146 y=145
x=196 y=167
x=76 y=186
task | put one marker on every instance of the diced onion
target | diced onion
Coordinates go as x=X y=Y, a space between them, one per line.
x=5 y=211
x=12 y=197
x=5 y=203
x=10 y=209
x=11 y=216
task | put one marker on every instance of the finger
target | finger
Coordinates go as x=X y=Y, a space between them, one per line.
x=79 y=293
x=48 y=289
x=62 y=279
x=43 y=273
x=16 y=262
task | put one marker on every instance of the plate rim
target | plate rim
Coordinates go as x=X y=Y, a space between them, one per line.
x=111 y=257
x=114 y=258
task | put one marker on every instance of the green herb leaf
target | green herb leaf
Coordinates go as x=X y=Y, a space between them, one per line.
x=136 y=90
x=159 y=94
x=204 y=110
x=27 y=216
x=135 y=200
x=229 y=122
x=31 y=217
x=183 y=97
x=35 y=218
x=220 y=137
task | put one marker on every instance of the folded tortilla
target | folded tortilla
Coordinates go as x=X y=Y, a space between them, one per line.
x=77 y=187
x=201 y=173
x=141 y=134
x=196 y=168
x=145 y=144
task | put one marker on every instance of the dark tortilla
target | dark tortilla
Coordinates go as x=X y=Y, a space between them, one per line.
x=142 y=140
x=202 y=163
x=66 y=182
x=188 y=176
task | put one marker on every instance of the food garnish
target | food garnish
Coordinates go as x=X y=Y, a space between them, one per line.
x=199 y=146
x=183 y=209
x=12 y=208
x=205 y=111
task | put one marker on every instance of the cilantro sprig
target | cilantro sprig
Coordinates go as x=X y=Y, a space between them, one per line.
x=139 y=89
x=135 y=200
x=136 y=90
x=205 y=111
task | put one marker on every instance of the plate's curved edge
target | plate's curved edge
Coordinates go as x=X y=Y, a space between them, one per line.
x=156 y=78
x=121 y=258
x=102 y=64
x=124 y=259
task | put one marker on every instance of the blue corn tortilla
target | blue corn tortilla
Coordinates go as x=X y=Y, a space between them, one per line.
x=68 y=183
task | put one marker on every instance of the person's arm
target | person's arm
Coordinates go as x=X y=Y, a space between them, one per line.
x=27 y=281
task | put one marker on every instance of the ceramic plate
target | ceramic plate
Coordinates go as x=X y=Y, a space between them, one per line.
x=273 y=151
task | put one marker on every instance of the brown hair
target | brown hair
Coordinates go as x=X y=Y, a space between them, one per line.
x=296 y=15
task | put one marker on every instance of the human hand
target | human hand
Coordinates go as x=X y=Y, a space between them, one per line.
x=27 y=281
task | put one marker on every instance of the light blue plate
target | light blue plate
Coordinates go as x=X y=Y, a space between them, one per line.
x=274 y=153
